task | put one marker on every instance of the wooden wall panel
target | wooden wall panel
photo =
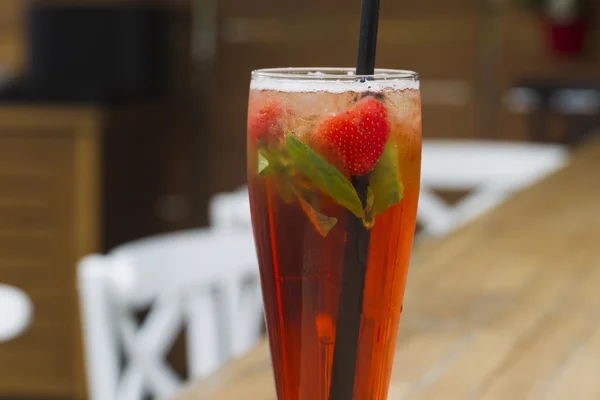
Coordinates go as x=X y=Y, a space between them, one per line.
x=36 y=176
x=49 y=206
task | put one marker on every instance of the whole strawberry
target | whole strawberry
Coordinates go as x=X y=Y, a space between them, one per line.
x=356 y=136
x=264 y=122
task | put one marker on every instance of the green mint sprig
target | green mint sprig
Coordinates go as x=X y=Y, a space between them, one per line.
x=323 y=175
x=296 y=165
x=385 y=181
x=291 y=186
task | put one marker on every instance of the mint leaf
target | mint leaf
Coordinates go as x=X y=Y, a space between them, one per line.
x=324 y=176
x=275 y=165
x=263 y=163
x=322 y=223
x=386 y=182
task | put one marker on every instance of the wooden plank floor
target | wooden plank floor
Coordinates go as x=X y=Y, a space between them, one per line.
x=507 y=308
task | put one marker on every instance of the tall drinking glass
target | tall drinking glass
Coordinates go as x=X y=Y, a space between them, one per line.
x=333 y=173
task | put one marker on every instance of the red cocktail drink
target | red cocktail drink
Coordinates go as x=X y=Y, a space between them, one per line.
x=312 y=135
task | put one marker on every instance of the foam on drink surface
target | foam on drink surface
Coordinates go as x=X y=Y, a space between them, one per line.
x=307 y=102
x=307 y=85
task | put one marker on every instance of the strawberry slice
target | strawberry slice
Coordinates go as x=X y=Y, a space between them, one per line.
x=356 y=136
x=264 y=123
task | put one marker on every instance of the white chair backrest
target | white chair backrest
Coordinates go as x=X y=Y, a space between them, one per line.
x=231 y=210
x=490 y=170
x=15 y=312
x=205 y=280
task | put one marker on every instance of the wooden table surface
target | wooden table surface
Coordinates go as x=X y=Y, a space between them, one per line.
x=507 y=308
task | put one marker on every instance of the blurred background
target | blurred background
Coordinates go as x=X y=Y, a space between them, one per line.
x=121 y=119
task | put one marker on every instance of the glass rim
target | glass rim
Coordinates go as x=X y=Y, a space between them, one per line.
x=333 y=74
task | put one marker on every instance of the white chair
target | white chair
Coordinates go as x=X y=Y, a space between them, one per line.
x=203 y=279
x=492 y=171
x=15 y=312
x=231 y=210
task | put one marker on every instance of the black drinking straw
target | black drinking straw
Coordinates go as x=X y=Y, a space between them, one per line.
x=356 y=249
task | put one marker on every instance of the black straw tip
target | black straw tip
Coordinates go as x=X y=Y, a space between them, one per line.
x=367 y=41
